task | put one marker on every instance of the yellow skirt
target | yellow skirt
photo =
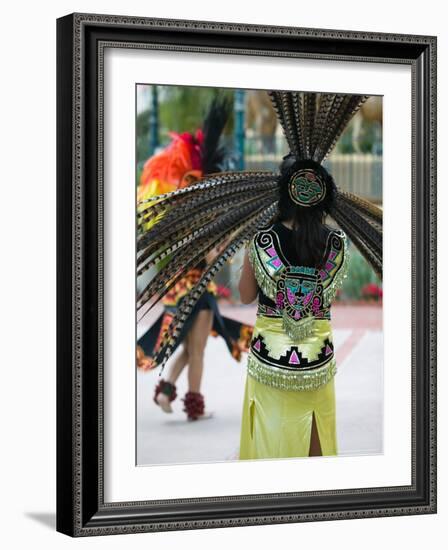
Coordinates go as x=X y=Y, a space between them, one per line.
x=277 y=423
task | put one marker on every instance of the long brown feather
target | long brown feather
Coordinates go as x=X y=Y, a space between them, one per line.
x=204 y=243
x=187 y=305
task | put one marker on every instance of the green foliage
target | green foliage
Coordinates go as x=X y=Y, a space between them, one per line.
x=181 y=109
x=138 y=173
x=359 y=274
x=369 y=139
x=142 y=138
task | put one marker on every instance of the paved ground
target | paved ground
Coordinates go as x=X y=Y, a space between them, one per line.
x=169 y=438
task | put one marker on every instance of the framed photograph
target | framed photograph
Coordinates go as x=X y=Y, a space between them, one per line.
x=239 y=340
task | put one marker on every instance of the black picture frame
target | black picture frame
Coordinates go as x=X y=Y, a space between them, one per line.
x=81 y=39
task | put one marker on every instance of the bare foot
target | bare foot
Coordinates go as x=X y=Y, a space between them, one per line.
x=164 y=402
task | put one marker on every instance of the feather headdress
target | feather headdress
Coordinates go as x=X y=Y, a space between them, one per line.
x=225 y=209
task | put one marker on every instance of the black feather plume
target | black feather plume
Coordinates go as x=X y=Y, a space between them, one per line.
x=216 y=157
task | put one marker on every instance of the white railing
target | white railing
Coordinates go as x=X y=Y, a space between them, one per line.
x=358 y=173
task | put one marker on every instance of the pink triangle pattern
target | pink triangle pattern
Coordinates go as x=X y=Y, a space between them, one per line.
x=257 y=345
x=328 y=350
x=294 y=358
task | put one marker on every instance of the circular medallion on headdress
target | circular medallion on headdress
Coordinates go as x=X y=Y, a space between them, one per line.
x=306 y=187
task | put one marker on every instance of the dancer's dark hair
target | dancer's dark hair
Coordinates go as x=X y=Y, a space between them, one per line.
x=308 y=223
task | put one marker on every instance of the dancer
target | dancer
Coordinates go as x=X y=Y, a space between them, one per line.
x=179 y=165
x=232 y=208
x=295 y=268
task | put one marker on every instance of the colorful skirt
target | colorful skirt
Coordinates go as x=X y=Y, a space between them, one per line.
x=277 y=423
x=236 y=335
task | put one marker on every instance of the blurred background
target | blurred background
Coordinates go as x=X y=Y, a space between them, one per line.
x=255 y=136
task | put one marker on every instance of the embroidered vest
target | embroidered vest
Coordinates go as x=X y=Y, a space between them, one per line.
x=292 y=344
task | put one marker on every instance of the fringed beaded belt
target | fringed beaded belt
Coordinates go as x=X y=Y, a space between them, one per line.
x=283 y=362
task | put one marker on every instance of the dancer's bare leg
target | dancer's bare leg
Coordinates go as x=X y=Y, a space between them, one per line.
x=177 y=366
x=315 y=448
x=196 y=341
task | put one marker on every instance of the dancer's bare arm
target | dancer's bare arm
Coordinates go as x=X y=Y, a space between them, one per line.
x=248 y=284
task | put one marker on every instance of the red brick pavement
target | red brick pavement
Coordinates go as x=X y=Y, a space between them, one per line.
x=363 y=316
